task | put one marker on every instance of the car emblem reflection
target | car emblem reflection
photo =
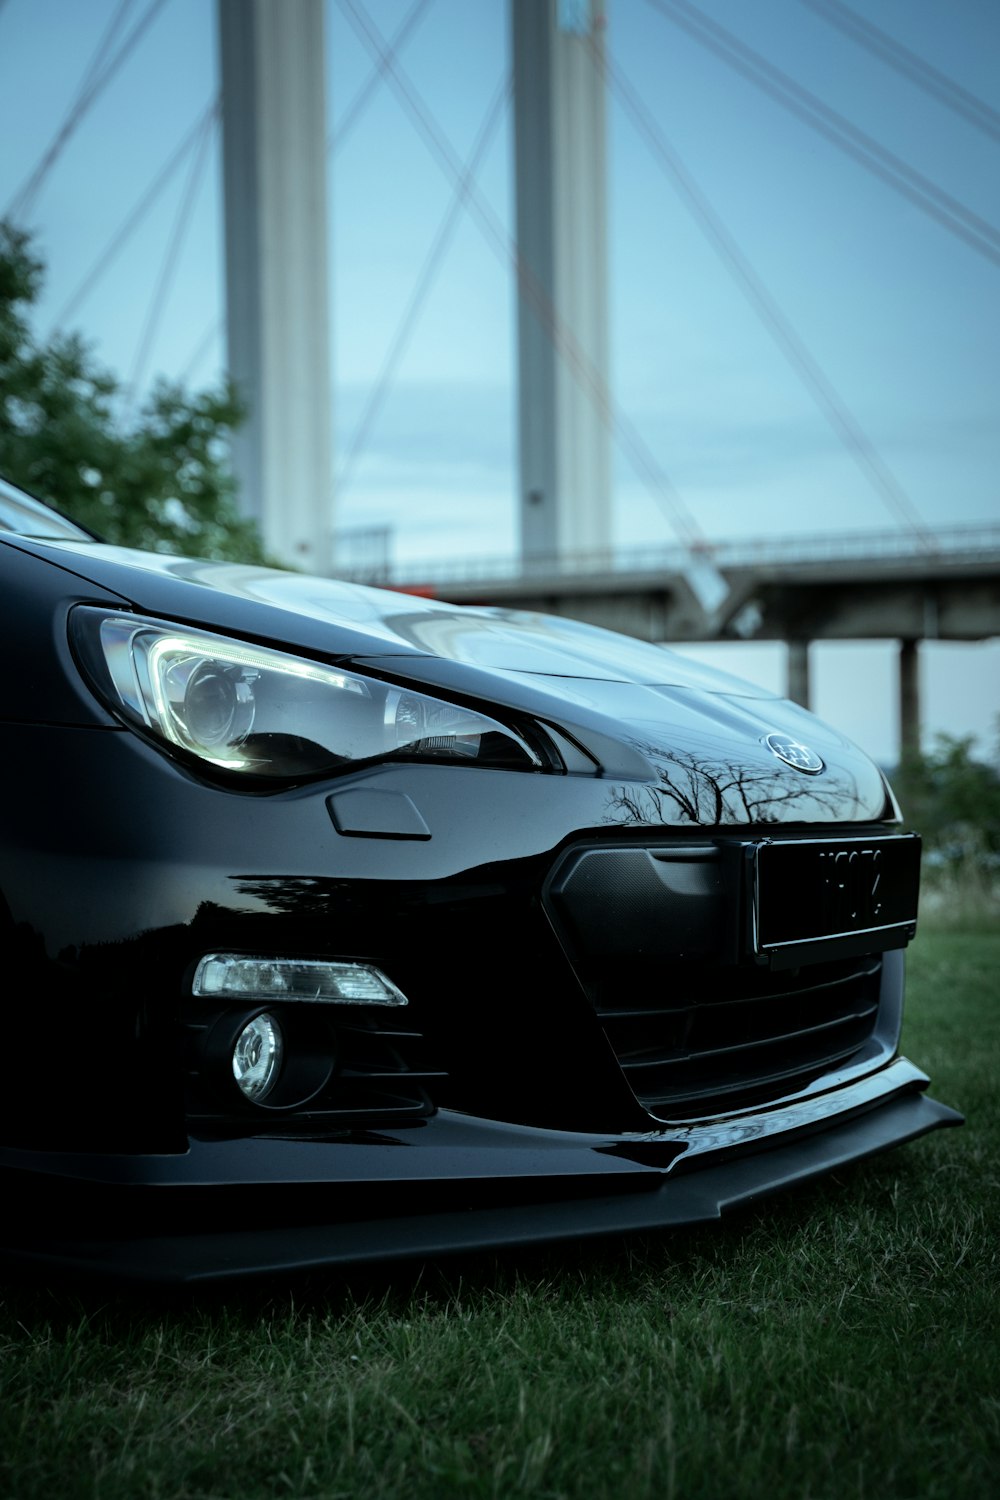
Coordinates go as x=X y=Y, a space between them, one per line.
x=794 y=753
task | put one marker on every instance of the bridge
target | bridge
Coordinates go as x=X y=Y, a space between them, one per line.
x=557 y=75
x=891 y=585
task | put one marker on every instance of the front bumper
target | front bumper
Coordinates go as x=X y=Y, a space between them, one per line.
x=247 y=1207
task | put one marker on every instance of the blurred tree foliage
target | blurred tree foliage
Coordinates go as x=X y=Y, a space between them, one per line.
x=953 y=799
x=159 y=481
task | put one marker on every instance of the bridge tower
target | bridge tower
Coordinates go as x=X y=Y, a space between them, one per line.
x=273 y=64
x=562 y=310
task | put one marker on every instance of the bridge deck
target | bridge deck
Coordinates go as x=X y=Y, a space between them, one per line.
x=865 y=585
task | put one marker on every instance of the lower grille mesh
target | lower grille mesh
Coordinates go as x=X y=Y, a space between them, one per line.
x=702 y=1015
x=690 y=1036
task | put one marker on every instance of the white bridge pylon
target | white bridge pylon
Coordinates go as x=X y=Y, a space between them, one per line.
x=274 y=161
x=564 y=406
x=274 y=174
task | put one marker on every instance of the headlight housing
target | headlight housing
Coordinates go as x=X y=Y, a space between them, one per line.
x=262 y=713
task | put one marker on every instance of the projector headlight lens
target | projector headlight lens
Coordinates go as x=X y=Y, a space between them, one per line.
x=264 y=713
x=257 y=1057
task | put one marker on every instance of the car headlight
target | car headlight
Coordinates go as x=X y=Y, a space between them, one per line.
x=261 y=712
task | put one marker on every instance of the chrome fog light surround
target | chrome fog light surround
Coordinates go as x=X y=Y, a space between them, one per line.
x=267 y=1062
x=257 y=1057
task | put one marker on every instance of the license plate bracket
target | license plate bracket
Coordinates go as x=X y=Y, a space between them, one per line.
x=822 y=898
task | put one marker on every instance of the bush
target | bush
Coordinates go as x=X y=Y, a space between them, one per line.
x=953 y=800
x=159 y=480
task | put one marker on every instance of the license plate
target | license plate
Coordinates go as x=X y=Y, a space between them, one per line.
x=811 y=897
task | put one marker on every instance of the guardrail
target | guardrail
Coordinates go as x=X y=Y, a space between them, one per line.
x=954 y=544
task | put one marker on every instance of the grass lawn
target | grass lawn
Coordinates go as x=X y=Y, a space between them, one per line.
x=842 y=1341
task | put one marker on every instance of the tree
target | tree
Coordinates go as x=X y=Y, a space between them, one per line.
x=161 y=481
x=953 y=799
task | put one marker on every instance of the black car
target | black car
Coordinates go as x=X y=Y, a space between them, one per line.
x=342 y=924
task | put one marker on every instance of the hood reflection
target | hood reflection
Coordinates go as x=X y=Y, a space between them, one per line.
x=710 y=793
x=327 y=614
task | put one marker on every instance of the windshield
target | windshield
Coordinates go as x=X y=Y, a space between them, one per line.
x=27 y=517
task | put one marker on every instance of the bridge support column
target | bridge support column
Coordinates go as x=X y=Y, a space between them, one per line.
x=798 y=672
x=274 y=170
x=909 y=700
x=562 y=316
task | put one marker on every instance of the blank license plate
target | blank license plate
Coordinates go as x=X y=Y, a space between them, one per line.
x=847 y=895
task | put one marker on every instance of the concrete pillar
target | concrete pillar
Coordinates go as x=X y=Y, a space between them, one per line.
x=274 y=167
x=909 y=700
x=798 y=672
x=559 y=132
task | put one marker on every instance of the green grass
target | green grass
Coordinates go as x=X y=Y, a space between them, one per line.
x=960 y=897
x=841 y=1341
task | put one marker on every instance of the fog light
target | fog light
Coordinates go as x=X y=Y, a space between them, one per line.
x=257 y=1057
x=231 y=976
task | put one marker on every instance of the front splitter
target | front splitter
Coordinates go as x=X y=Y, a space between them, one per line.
x=516 y=1214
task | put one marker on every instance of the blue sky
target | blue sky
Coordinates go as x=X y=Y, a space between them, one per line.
x=902 y=316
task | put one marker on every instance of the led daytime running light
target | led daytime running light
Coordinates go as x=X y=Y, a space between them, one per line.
x=267 y=714
x=230 y=976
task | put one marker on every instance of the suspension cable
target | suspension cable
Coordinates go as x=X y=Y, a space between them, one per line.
x=201 y=352
x=170 y=259
x=338 y=135
x=935 y=83
x=889 y=168
x=424 y=283
x=96 y=81
x=352 y=113
x=104 y=47
x=504 y=247
x=135 y=218
x=782 y=331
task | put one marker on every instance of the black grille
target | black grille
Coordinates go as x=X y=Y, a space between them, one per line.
x=383 y=1070
x=690 y=1037
x=662 y=941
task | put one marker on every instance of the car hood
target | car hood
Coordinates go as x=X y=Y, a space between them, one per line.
x=340 y=619
x=701 y=739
